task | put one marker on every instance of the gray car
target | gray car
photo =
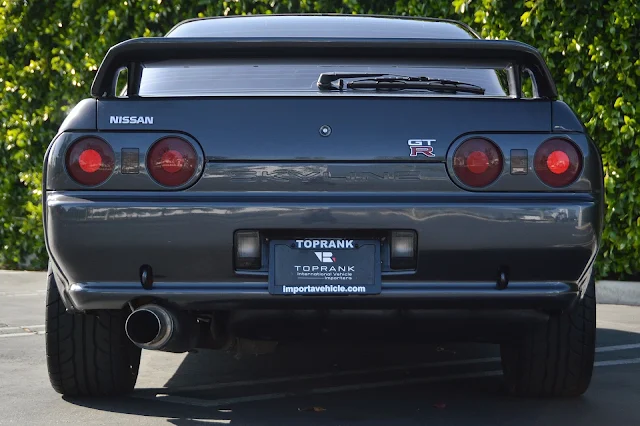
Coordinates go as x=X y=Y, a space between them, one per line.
x=272 y=178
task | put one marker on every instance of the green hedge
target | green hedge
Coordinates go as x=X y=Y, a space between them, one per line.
x=50 y=49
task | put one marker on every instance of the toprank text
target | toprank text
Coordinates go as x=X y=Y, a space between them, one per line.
x=325 y=244
x=316 y=268
x=130 y=119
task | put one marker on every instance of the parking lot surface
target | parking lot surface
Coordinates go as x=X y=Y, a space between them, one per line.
x=337 y=384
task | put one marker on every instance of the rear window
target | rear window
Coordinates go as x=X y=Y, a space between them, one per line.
x=287 y=77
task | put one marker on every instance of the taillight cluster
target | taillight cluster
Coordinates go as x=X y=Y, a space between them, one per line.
x=171 y=161
x=478 y=162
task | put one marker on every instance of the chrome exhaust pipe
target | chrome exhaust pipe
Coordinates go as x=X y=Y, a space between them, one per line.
x=155 y=327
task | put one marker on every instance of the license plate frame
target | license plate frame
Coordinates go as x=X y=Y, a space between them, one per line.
x=292 y=272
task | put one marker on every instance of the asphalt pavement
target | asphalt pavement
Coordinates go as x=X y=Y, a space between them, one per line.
x=338 y=384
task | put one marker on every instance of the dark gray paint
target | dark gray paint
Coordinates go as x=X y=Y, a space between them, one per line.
x=321 y=26
x=325 y=177
x=434 y=295
x=136 y=52
x=564 y=119
x=282 y=149
x=82 y=117
x=98 y=238
x=364 y=129
x=187 y=235
x=189 y=239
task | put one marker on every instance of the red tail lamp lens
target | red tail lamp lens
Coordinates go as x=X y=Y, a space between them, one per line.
x=172 y=161
x=557 y=162
x=477 y=162
x=90 y=161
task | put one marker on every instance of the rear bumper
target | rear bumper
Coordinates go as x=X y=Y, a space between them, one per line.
x=228 y=296
x=98 y=241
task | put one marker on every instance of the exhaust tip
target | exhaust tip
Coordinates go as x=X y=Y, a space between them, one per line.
x=143 y=327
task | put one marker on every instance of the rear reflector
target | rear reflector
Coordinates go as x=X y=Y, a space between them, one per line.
x=557 y=162
x=90 y=161
x=248 y=250
x=172 y=161
x=477 y=162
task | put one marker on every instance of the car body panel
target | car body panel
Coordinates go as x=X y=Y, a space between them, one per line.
x=188 y=239
x=367 y=129
x=264 y=165
x=205 y=297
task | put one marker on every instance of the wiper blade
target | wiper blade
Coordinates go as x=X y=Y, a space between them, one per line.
x=395 y=82
x=434 y=85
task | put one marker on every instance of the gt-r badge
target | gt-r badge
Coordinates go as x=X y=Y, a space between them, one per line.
x=421 y=146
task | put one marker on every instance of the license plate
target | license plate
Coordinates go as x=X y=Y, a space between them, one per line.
x=324 y=267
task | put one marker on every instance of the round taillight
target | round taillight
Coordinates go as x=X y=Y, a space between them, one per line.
x=172 y=161
x=477 y=162
x=557 y=162
x=90 y=161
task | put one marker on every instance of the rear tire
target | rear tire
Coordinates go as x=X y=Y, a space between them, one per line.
x=556 y=358
x=88 y=355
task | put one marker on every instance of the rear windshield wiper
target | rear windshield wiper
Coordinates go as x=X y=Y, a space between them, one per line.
x=393 y=82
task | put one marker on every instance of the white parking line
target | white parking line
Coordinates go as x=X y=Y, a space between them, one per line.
x=334 y=374
x=21 y=331
x=432 y=364
x=197 y=402
x=617 y=362
x=33 y=326
x=30 y=294
x=12 y=327
x=617 y=347
x=354 y=387
x=334 y=389
x=31 y=333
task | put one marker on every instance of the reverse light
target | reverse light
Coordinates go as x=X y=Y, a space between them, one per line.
x=403 y=250
x=248 y=251
x=477 y=162
x=90 y=161
x=172 y=161
x=557 y=162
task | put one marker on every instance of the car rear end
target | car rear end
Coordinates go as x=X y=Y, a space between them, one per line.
x=224 y=188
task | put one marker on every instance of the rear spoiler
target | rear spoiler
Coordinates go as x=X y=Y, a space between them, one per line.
x=131 y=54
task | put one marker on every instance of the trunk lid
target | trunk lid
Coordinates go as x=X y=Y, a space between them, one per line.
x=362 y=128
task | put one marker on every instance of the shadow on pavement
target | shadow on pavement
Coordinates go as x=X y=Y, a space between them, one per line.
x=612 y=398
